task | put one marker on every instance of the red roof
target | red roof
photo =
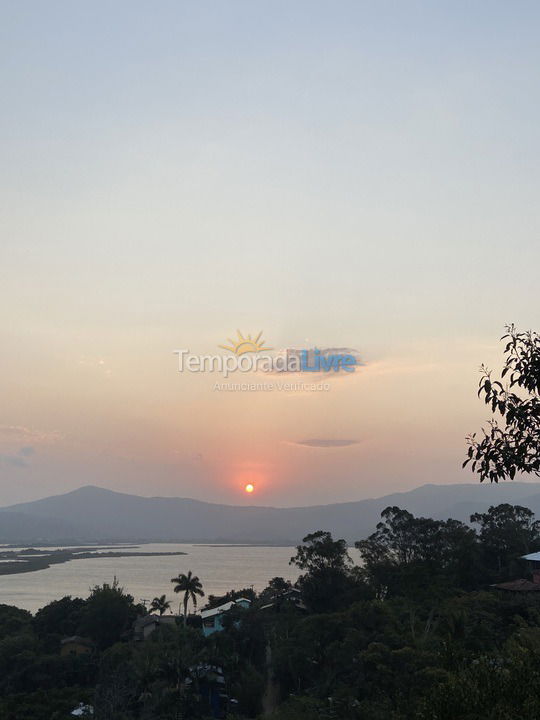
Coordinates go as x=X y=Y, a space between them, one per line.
x=520 y=585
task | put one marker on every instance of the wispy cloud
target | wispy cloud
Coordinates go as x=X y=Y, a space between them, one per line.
x=20 y=434
x=17 y=460
x=324 y=442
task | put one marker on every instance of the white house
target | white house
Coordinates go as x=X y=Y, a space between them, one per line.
x=212 y=620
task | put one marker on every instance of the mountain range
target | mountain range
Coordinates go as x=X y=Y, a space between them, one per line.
x=95 y=514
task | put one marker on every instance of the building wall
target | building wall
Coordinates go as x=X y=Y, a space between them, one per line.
x=75 y=649
x=217 y=625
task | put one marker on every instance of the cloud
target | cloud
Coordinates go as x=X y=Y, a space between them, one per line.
x=325 y=443
x=20 y=459
x=20 y=434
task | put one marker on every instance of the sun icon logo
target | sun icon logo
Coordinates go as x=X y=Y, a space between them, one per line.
x=245 y=344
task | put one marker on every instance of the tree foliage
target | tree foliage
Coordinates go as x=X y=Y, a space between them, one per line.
x=160 y=605
x=320 y=551
x=412 y=553
x=108 y=614
x=415 y=632
x=511 y=442
x=327 y=566
x=191 y=586
x=506 y=533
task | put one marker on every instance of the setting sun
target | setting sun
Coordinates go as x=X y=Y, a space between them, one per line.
x=249 y=488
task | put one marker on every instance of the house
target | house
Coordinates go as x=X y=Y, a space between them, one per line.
x=212 y=620
x=292 y=597
x=145 y=625
x=76 y=645
x=82 y=710
x=534 y=560
x=521 y=585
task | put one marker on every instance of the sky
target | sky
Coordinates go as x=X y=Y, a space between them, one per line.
x=335 y=174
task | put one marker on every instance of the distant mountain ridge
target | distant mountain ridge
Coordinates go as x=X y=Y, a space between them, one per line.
x=18 y=527
x=94 y=513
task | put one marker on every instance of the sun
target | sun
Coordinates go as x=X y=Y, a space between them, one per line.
x=245 y=344
x=249 y=488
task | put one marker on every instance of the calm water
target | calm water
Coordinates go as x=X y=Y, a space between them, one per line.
x=220 y=568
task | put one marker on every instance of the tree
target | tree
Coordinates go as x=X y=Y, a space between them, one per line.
x=108 y=614
x=506 y=533
x=61 y=617
x=514 y=446
x=278 y=584
x=321 y=552
x=276 y=587
x=14 y=621
x=327 y=564
x=407 y=553
x=191 y=586
x=160 y=604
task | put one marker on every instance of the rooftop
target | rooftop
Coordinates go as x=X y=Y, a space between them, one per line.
x=532 y=556
x=76 y=639
x=520 y=585
x=222 y=608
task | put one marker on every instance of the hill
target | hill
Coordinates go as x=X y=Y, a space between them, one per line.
x=18 y=527
x=94 y=513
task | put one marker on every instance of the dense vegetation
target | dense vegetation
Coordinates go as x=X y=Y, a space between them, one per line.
x=415 y=631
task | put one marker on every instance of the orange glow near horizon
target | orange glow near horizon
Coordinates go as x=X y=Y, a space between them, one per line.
x=249 y=488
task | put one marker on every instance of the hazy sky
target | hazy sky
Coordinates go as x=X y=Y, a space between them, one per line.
x=337 y=174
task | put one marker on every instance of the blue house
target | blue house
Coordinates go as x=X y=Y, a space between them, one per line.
x=212 y=620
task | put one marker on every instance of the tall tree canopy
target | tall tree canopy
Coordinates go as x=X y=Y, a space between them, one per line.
x=321 y=552
x=108 y=614
x=506 y=533
x=406 y=551
x=327 y=576
x=191 y=586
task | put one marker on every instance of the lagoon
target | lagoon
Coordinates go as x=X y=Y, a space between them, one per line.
x=220 y=568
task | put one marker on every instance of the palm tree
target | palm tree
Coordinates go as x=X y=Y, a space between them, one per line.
x=191 y=586
x=160 y=604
